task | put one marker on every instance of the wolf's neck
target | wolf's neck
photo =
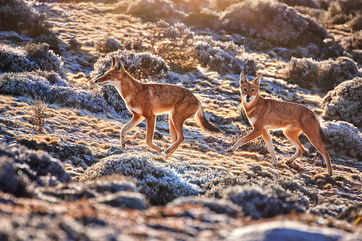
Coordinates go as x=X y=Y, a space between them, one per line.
x=252 y=105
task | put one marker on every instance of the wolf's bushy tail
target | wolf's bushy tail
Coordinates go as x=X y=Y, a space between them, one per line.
x=325 y=139
x=205 y=124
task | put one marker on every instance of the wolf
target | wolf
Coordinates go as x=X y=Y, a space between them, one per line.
x=147 y=100
x=268 y=114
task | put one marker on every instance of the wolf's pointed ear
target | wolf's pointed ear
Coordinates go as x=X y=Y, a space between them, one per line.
x=118 y=66
x=257 y=79
x=113 y=62
x=243 y=78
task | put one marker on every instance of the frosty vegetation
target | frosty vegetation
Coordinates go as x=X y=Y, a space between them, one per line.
x=31 y=57
x=222 y=57
x=108 y=45
x=265 y=202
x=51 y=88
x=20 y=16
x=323 y=75
x=159 y=184
x=201 y=45
x=160 y=9
x=344 y=102
x=140 y=65
x=272 y=21
x=341 y=135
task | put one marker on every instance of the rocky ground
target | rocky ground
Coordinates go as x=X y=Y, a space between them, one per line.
x=64 y=175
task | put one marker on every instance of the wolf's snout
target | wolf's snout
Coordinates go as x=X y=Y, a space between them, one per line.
x=247 y=98
x=96 y=81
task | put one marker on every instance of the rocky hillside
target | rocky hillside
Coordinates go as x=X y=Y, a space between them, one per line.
x=65 y=176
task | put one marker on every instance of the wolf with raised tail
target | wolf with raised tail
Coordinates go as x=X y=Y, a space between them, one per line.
x=147 y=100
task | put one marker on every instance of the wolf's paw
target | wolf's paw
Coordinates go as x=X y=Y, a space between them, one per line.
x=293 y=165
x=157 y=149
x=231 y=149
x=123 y=144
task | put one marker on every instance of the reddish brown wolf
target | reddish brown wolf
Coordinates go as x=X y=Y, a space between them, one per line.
x=146 y=101
x=266 y=114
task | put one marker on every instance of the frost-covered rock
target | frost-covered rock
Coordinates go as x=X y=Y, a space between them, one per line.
x=345 y=102
x=31 y=57
x=267 y=201
x=21 y=170
x=323 y=75
x=223 y=56
x=344 y=138
x=92 y=189
x=159 y=184
x=273 y=21
x=220 y=206
x=10 y=181
x=131 y=200
x=287 y=230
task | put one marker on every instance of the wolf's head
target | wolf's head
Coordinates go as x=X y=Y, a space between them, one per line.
x=249 y=91
x=112 y=75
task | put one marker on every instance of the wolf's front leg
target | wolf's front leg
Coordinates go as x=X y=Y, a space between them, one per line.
x=269 y=145
x=251 y=136
x=136 y=119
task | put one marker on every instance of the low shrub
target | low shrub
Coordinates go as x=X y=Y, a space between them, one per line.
x=323 y=75
x=354 y=41
x=107 y=45
x=21 y=16
x=51 y=88
x=341 y=11
x=342 y=134
x=272 y=21
x=153 y=9
x=356 y=23
x=159 y=184
x=222 y=56
x=175 y=44
x=344 y=102
x=141 y=65
x=30 y=57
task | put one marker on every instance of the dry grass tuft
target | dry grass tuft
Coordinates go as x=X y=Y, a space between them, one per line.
x=38 y=111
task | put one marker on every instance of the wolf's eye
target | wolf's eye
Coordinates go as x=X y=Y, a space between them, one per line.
x=245 y=89
x=253 y=90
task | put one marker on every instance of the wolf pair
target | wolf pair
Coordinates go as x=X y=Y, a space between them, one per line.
x=147 y=100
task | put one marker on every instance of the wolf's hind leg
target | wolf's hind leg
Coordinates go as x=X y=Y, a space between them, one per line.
x=293 y=136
